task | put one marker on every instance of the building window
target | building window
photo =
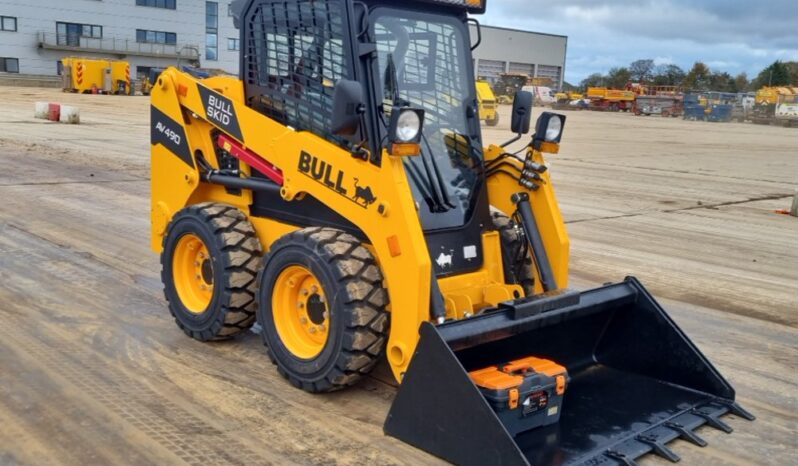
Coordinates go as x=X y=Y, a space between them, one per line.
x=233 y=44
x=211 y=29
x=169 y=4
x=71 y=33
x=8 y=23
x=155 y=37
x=9 y=65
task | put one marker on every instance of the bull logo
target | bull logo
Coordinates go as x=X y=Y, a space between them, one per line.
x=363 y=195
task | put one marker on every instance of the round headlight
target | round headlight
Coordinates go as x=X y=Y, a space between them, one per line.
x=408 y=125
x=553 y=129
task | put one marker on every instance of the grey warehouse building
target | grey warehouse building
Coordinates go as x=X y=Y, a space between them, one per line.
x=36 y=34
x=506 y=50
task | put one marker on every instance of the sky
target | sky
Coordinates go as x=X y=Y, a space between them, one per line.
x=728 y=35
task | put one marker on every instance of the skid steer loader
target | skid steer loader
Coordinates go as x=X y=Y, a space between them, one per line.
x=339 y=194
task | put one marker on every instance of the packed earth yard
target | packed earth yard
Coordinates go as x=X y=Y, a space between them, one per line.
x=94 y=371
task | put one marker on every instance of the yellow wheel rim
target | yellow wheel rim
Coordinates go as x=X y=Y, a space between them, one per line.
x=192 y=269
x=300 y=312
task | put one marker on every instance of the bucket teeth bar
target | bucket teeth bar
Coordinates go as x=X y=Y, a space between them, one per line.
x=681 y=426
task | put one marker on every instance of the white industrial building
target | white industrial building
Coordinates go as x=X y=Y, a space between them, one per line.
x=506 y=50
x=36 y=34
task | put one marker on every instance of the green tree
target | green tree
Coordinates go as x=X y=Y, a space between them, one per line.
x=723 y=82
x=668 y=75
x=777 y=74
x=641 y=71
x=741 y=83
x=792 y=68
x=618 y=78
x=698 y=78
x=594 y=80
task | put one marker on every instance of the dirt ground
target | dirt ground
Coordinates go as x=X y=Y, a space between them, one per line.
x=94 y=371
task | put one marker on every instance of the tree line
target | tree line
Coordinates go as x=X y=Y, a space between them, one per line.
x=699 y=78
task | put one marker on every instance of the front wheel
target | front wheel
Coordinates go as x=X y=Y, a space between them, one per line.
x=209 y=265
x=322 y=306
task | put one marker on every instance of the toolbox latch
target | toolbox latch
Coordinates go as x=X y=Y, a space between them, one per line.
x=513 y=398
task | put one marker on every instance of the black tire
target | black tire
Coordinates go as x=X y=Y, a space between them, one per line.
x=235 y=253
x=356 y=302
x=493 y=122
x=516 y=258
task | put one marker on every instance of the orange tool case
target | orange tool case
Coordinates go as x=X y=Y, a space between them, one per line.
x=526 y=393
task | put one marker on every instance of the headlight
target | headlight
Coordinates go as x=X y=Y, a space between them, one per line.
x=549 y=127
x=406 y=125
x=554 y=130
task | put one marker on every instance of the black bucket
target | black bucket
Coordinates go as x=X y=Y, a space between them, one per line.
x=637 y=382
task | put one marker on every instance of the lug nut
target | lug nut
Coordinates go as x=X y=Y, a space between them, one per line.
x=305 y=292
x=314 y=289
x=312 y=330
x=303 y=320
x=321 y=328
x=300 y=305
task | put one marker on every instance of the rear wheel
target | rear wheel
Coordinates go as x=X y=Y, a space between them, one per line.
x=208 y=268
x=322 y=306
x=516 y=258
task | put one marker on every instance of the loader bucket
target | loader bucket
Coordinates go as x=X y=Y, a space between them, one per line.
x=636 y=382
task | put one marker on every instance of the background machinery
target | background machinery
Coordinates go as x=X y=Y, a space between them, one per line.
x=84 y=75
x=488 y=104
x=786 y=112
x=612 y=100
x=339 y=193
x=765 y=101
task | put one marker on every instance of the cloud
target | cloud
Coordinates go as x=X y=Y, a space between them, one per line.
x=729 y=35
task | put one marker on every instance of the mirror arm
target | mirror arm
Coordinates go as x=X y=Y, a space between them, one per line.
x=479 y=32
x=515 y=139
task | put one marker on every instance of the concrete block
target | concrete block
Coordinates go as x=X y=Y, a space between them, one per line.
x=70 y=115
x=41 y=110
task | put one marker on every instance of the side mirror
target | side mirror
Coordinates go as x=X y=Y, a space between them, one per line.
x=348 y=107
x=522 y=112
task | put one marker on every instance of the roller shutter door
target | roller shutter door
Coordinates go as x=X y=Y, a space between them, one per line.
x=490 y=69
x=553 y=72
x=522 y=68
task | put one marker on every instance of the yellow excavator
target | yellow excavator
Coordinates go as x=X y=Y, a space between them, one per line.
x=339 y=194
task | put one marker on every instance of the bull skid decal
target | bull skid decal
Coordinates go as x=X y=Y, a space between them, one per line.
x=335 y=180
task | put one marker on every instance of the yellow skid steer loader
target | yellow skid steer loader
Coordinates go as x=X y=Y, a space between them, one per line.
x=339 y=194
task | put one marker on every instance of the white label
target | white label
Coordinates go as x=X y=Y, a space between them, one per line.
x=470 y=252
x=553 y=410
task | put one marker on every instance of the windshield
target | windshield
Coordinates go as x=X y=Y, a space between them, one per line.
x=423 y=62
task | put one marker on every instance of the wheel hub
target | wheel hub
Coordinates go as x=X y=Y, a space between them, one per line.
x=300 y=312
x=192 y=268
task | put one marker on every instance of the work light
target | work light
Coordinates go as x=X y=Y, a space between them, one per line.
x=549 y=127
x=406 y=124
